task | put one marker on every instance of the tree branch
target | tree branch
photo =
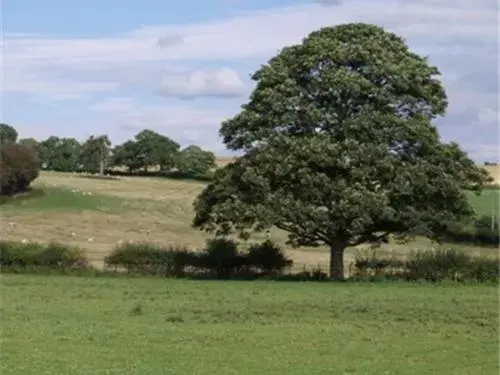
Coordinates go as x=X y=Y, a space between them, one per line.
x=369 y=238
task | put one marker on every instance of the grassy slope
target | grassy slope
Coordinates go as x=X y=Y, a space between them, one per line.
x=488 y=203
x=139 y=209
x=64 y=325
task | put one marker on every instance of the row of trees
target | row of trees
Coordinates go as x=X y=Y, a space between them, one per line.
x=146 y=151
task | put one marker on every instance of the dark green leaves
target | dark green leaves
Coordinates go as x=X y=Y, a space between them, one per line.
x=336 y=75
x=340 y=145
x=194 y=161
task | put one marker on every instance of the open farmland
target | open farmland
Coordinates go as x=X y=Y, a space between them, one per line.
x=71 y=325
x=494 y=171
x=96 y=214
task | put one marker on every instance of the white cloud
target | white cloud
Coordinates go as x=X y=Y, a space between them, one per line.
x=460 y=37
x=223 y=82
x=260 y=34
x=184 y=123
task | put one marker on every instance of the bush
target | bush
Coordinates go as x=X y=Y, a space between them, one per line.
x=372 y=265
x=483 y=270
x=267 y=258
x=150 y=259
x=221 y=257
x=481 y=231
x=450 y=264
x=19 y=166
x=32 y=255
x=430 y=265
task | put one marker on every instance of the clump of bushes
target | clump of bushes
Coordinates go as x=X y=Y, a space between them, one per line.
x=429 y=265
x=220 y=258
x=19 y=166
x=483 y=230
x=267 y=258
x=150 y=259
x=15 y=256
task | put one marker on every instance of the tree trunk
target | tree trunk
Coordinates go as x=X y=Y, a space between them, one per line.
x=337 y=261
x=101 y=167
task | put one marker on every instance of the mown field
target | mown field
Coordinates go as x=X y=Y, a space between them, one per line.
x=97 y=214
x=71 y=325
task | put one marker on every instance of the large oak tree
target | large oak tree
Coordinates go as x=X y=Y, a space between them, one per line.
x=340 y=148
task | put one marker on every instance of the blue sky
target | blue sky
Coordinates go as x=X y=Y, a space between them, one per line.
x=75 y=68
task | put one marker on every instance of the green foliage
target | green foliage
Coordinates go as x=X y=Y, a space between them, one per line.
x=7 y=133
x=450 y=264
x=156 y=149
x=222 y=259
x=149 y=259
x=429 y=265
x=20 y=257
x=95 y=154
x=60 y=154
x=374 y=265
x=148 y=149
x=268 y=258
x=340 y=148
x=194 y=161
x=483 y=230
x=221 y=256
x=127 y=155
x=30 y=143
x=19 y=166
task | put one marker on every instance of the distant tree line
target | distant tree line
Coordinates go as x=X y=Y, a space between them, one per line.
x=149 y=152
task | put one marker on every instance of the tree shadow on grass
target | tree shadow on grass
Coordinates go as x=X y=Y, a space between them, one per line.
x=21 y=197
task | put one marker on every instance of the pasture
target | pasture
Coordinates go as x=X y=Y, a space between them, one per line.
x=96 y=214
x=77 y=325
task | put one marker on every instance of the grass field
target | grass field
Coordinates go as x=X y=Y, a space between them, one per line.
x=97 y=214
x=67 y=325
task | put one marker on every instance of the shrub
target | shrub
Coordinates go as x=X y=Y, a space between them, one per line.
x=150 y=259
x=429 y=265
x=267 y=258
x=483 y=270
x=32 y=255
x=437 y=265
x=373 y=265
x=481 y=231
x=19 y=166
x=222 y=258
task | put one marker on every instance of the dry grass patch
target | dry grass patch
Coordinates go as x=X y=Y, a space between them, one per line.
x=494 y=171
x=152 y=209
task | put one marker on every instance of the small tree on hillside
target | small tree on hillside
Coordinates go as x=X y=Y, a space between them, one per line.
x=95 y=153
x=60 y=154
x=340 y=149
x=156 y=150
x=195 y=161
x=127 y=155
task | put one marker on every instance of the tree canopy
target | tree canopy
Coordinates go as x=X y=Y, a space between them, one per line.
x=95 y=153
x=60 y=154
x=7 y=133
x=193 y=160
x=340 y=148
